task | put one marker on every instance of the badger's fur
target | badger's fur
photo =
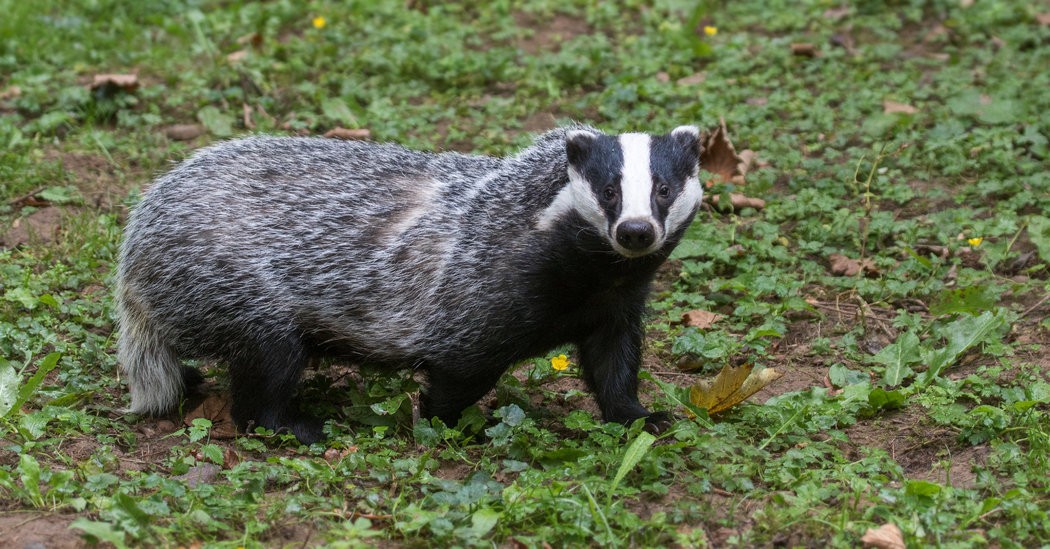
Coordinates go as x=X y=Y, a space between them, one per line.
x=267 y=252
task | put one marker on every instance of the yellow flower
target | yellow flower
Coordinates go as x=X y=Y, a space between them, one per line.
x=319 y=22
x=560 y=362
x=710 y=31
x=975 y=241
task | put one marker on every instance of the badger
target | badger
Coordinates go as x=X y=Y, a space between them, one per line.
x=267 y=254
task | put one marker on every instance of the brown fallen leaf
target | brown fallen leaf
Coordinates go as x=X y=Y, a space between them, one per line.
x=10 y=92
x=247 y=110
x=126 y=82
x=204 y=473
x=891 y=107
x=700 y=319
x=214 y=408
x=804 y=49
x=836 y=13
x=349 y=134
x=887 y=536
x=253 y=38
x=237 y=56
x=845 y=266
x=737 y=201
x=718 y=156
x=692 y=80
x=732 y=385
x=1043 y=19
x=184 y=132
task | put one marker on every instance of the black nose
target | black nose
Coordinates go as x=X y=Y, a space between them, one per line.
x=635 y=235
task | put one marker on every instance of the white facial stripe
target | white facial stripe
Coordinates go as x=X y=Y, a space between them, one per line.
x=636 y=186
x=684 y=204
x=576 y=196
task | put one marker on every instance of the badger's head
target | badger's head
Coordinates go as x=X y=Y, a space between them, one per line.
x=635 y=189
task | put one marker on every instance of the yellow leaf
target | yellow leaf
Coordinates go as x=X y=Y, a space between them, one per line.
x=732 y=385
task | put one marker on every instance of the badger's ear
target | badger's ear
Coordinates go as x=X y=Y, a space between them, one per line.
x=688 y=137
x=578 y=145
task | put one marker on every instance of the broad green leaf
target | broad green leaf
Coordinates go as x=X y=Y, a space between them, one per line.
x=881 y=399
x=217 y=122
x=30 y=387
x=962 y=334
x=898 y=358
x=336 y=110
x=102 y=531
x=23 y=295
x=971 y=300
x=841 y=376
x=29 y=471
x=66 y=194
x=388 y=406
x=922 y=488
x=483 y=520
x=8 y=387
x=635 y=452
x=1039 y=234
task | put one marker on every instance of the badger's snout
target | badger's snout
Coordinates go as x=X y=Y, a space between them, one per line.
x=635 y=235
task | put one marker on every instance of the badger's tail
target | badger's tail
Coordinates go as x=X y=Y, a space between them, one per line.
x=154 y=373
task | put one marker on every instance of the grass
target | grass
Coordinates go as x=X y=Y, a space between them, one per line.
x=915 y=393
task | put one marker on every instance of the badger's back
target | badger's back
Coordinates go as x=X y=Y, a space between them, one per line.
x=366 y=247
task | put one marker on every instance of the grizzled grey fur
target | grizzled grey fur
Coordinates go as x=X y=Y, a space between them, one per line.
x=268 y=252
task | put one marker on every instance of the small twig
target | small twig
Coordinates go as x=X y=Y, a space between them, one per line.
x=1034 y=307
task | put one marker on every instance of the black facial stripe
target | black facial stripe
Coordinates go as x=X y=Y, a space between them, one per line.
x=601 y=164
x=672 y=160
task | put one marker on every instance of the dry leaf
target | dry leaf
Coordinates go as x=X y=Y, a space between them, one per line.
x=350 y=134
x=804 y=49
x=184 y=132
x=248 y=121
x=732 y=385
x=663 y=77
x=253 y=38
x=890 y=107
x=692 y=79
x=718 y=156
x=887 y=536
x=836 y=13
x=126 y=82
x=10 y=92
x=237 y=56
x=700 y=319
x=203 y=473
x=1043 y=19
x=737 y=201
x=215 y=408
x=844 y=266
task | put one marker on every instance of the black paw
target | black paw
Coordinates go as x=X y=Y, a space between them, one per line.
x=658 y=422
x=307 y=429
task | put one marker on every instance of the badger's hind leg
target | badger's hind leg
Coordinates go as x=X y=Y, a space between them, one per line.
x=449 y=392
x=263 y=381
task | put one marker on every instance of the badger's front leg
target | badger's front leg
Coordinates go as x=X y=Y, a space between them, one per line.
x=610 y=358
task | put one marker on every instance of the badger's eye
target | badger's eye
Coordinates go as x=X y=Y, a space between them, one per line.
x=609 y=192
x=664 y=191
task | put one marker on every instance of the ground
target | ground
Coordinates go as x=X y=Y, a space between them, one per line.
x=907 y=143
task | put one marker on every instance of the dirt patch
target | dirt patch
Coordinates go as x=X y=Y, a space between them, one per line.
x=39 y=530
x=102 y=184
x=41 y=227
x=454 y=471
x=957 y=468
x=548 y=34
x=539 y=122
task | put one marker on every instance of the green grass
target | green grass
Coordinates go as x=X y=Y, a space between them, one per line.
x=916 y=395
